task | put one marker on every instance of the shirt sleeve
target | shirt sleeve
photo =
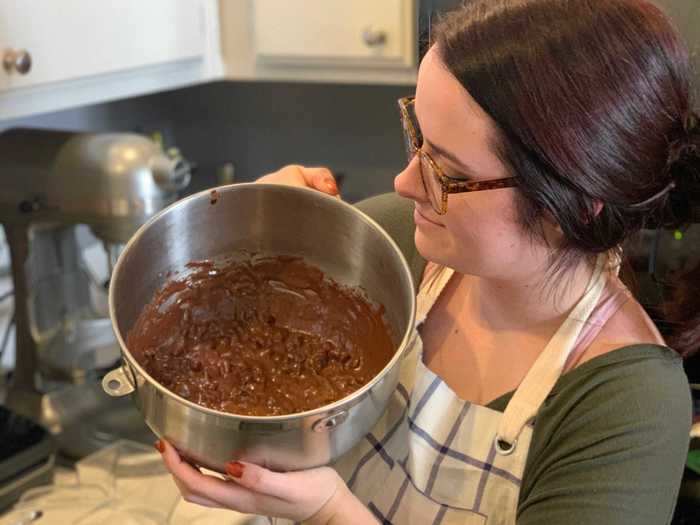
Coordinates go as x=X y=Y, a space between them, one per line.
x=611 y=447
x=395 y=215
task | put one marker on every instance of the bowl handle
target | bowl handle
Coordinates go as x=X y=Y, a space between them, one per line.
x=118 y=382
x=327 y=423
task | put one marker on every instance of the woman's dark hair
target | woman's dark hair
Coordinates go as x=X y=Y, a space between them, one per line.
x=591 y=100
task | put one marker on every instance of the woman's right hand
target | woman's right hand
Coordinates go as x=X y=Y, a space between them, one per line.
x=320 y=179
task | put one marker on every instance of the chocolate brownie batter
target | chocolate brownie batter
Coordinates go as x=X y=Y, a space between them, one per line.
x=261 y=336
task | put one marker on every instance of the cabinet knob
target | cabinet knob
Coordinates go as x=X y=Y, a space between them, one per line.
x=19 y=61
x=373 y=37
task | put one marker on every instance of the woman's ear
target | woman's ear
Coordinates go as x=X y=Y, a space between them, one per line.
x=550 y=222
x=553 y=234
x=552 y=230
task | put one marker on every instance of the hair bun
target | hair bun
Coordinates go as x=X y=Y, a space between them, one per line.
x=685 y=148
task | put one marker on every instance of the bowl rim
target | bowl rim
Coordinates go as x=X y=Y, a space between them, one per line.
x=337 y=406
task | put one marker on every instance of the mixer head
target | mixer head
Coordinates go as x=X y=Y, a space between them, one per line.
x=113 y=182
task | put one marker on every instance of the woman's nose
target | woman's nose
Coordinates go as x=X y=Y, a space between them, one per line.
x=408 y=183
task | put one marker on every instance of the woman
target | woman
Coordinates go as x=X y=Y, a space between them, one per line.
x=543 y=133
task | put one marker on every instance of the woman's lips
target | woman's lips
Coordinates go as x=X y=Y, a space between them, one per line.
x=420 y=218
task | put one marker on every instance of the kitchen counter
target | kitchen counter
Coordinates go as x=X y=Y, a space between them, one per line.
x=125 y=483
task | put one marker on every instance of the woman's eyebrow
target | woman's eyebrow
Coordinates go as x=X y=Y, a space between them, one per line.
x=463 y=168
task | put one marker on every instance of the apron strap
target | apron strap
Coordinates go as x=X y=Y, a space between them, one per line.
x=435 y=279
x=548 y=367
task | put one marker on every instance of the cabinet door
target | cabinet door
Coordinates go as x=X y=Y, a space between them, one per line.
x=70 y=39
x=357 y=32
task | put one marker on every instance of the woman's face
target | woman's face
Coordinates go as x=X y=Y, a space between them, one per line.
x=479 y=234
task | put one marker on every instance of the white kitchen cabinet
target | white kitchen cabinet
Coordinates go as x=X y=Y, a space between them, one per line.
x=362 y=32
x=358 y=41
x=85 y=51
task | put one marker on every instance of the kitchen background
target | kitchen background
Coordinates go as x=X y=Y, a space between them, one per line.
x=253 y=84
x=344 y=118
x=265 y=108
x=301 y=106
x=257 y=127
x=260 y=126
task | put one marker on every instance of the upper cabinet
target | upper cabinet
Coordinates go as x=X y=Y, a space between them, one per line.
x=358 y=41
x=76 y=52
x=68 y=53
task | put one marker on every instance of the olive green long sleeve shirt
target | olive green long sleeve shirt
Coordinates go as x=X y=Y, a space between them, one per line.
x=610 y=442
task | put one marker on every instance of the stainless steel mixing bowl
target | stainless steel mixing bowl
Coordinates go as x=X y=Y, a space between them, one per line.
x=346 y=244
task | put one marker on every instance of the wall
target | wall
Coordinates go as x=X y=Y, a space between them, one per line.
x=262 y=126
x=686 y=16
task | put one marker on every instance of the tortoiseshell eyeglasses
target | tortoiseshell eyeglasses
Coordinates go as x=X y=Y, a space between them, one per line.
x=438 y=185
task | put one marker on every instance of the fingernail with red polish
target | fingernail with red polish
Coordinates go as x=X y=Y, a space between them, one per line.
x=332 y=186
x=159 y=446
x=235 y=469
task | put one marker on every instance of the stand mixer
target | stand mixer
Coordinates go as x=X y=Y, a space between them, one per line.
x=50 y=183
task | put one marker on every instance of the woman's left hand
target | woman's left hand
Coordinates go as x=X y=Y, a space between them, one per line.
x=311 y=495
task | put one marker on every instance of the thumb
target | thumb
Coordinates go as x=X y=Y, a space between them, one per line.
x=304 y=485
x=259 y=479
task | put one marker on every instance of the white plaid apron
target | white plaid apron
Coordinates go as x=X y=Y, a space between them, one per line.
x=434 y=458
